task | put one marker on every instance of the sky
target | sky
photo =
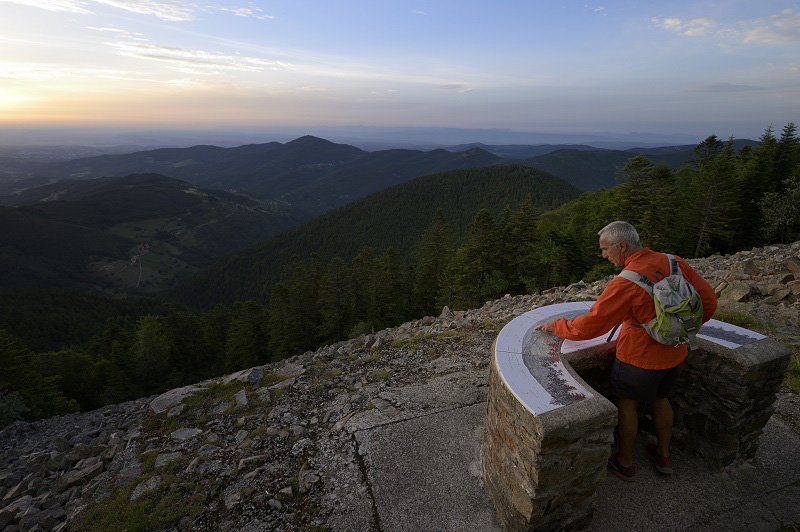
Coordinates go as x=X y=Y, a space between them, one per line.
x=730 y=68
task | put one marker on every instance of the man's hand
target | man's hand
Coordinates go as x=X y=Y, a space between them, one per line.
x=546 y=326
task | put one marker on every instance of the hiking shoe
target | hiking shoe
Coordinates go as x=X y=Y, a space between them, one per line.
x=663 y=465
x=627 y=474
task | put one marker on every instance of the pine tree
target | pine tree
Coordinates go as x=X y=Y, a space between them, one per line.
x=336 y=301
x=434 y=251
x=711 y=197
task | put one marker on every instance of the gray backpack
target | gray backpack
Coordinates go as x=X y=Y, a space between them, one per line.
x=679 y=309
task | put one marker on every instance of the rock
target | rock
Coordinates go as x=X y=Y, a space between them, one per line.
x=171 y=398
x=184 y=434
x=232 y=500
x=275 y=503
x=738 y=292
x=207 y=449
x=241 y=399
x=286 y=383
x=291 y=370
x=148 y=485
x=286 y=493
x=793 y=264
x=176 y=411
x=165 y=458
x=245 y=463
x=79 y=476
x=794 y=286
x=750 y=267
x=306 y=479
x=252 y=376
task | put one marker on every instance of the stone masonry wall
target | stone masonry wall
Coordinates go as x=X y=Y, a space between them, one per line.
x=542 y=471
x=725 y=398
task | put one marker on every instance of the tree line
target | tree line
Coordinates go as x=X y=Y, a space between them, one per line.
x=722 y=201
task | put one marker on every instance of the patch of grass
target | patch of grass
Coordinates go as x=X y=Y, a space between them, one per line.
x=413 y=342
x=271 y=378
x=792 y=375
x=371 y=358
x=495 y=325
x=155 y=510
x=216 y=392
x=734 y=317
x=379 y=375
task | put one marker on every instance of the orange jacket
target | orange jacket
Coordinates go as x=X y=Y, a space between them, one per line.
x=622 y=299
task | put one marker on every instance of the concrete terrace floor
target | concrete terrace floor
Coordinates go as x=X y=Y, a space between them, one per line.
x=424 y=475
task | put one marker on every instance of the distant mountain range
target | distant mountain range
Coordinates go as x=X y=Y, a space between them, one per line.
x=135 y=234
x=394 y=217
x=315 y=175
x=312 y=174
x=194 y=206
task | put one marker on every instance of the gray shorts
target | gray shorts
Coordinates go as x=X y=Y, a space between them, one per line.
x=631 y=382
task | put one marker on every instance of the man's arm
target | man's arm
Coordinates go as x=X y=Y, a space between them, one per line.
x=609 y=309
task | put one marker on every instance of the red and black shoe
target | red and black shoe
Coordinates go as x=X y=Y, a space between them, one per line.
x=663 y=464
x=627 y=474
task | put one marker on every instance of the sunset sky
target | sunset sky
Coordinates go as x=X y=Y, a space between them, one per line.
x=729 y=67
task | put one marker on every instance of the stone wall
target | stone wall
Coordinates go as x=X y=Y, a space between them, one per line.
x=725 y=397
x=541 y=471
x=548 y=434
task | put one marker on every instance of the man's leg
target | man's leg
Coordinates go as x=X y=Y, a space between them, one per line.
x=662 y=419
x=627 y=427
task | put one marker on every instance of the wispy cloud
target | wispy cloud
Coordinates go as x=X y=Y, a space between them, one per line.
x=68 y=6
x=419 y=12
x=776 y=29
x=194 y=59
x=455 y=87
x=725 y=87
x=172 y=11
x=253 y=12
x=690 y=28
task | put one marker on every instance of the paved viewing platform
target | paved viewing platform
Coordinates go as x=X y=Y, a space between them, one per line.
x=429 y=472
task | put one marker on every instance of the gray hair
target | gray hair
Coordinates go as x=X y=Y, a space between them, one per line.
x=621 y=232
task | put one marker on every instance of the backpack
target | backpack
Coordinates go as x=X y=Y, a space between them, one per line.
x=679 y=309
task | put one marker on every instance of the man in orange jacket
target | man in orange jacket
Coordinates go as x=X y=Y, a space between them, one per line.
x=643 y=370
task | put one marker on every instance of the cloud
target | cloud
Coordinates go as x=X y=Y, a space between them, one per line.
x=777 y=29
x=253 y=12
x=690 y=28
x=68 y=6
x=164 y=10
x=419 y=12
x=194 y=59
x=725 y=87
x=455 y=87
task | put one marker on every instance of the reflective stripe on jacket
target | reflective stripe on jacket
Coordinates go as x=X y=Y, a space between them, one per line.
x=622 y=299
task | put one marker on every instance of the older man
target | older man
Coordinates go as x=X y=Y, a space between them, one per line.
x=643 y=370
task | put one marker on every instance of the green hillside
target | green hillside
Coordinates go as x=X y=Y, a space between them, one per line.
x=138 y=234
x=395 y=217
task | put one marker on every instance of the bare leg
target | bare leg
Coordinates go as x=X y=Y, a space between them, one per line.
x=627 y=427
x=662 y=419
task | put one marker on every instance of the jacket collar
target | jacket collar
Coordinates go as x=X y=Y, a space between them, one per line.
x=636 y=256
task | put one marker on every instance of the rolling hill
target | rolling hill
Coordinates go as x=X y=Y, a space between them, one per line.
x=312 y=174
x=393 y=217
x=135 y=234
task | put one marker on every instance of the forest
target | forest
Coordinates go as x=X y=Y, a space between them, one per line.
x=722 y=201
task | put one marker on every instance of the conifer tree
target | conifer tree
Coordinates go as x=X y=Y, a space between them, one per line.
x=711 y=196
x=434 y=251
x=336 y=301
x=247 y=343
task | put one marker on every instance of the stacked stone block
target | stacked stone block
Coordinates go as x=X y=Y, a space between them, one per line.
x=542 y=471
x=725 y=397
